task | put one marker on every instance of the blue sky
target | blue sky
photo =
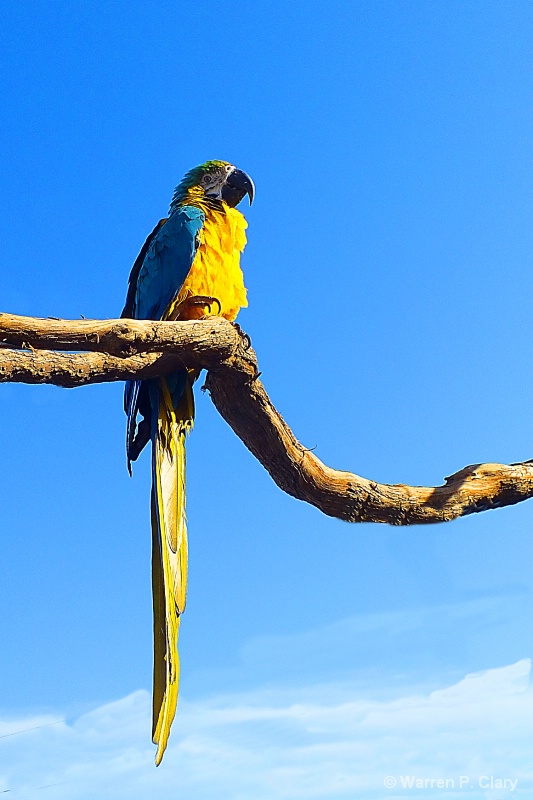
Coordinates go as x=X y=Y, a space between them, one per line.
x=389 y=277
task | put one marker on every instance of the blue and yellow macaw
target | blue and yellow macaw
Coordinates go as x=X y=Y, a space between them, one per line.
x=189 y=266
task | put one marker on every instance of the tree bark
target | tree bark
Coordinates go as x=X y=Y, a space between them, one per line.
x=126 y=349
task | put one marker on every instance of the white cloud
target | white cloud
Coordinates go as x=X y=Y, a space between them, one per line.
x=262 y=745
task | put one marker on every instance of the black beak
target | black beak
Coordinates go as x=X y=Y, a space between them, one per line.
x=237 y=185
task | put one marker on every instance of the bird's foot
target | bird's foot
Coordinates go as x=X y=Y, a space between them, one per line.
x=243 y=335
x=205 y=300
x=196 y=301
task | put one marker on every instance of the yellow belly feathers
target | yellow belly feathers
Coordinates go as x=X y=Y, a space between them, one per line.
x=216 y=271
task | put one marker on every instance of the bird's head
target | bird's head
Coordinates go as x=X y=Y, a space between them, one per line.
x=214 y=181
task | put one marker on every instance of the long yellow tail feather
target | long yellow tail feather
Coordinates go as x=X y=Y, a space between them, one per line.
x=169 y=554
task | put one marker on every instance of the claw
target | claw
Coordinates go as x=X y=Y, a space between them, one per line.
x=243 y=335
x=205 y=300
x=197 y=300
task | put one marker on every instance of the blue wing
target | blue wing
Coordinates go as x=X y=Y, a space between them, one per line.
x=169 y=252
x=167 y=263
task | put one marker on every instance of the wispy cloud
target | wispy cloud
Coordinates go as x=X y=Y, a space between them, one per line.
x=429 y=646
x=262 y=745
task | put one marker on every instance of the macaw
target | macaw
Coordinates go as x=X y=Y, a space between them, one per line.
x=188 y=266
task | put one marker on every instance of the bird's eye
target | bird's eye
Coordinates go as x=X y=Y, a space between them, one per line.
x=228 y=167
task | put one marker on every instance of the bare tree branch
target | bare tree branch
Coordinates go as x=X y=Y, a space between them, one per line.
x=77 y=369
x=212 y=337
x=125 y=349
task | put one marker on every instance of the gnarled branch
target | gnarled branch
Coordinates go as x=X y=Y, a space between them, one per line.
x=124 y=349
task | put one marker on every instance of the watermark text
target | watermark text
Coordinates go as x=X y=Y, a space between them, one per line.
x=464 y=782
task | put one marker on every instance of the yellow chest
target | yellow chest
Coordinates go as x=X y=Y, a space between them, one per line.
x=216 y=270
